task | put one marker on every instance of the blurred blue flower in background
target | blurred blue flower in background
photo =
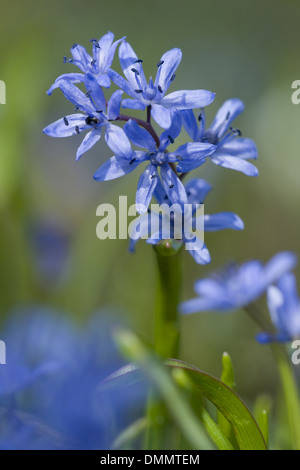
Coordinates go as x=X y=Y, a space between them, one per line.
x=238 y=286
x=49 y=392
x=284 y=307
x=232 y=150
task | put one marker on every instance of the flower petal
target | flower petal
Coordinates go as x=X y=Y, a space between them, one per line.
x=189 y=123
x=235 y=163
x=115 y=168
x=66 y=126
x=173 y=186
x=113 y=106
x=88 y=142
x=133 y=104
x=280 y=264
x=95 y=93
x=76 y=96
x=109 y=56
x=81 y=57
x=132 y=69
x=103 y=80
x=169 y=135
x=225 y=116
x=241 y=147
x=146 y=186
x=201 y=255
x=122 y=83
x=118 y=142
x=197 y=190
x=72 y=77
x=139 y=136
x=161 y=115
x=170 y=61
x=188 y=99
x=221 y=221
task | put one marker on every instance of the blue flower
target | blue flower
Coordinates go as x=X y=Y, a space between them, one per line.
x=98 y=65
x=238 y=286
x=232 y=150
x=154 y=93
x=126 y=160
x=95 y=113
x=49 y=388
x=284 y=307
x=180 y=223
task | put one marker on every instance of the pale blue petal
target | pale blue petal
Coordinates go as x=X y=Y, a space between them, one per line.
x=241 y=147
x=113 y=106
x=103 y=80
x=139 y=136
x=173 y=186
x=235 y=163
x=146 y=186
x=129 y=64
x=197 y=190
x=221 y=221
x=59 y=128
x=225 y=116
x=161 y=115
x=115 y=168
x=190 y=123
x=72 y=77
x=88 y=142
x=133 y=104
x=118 y=142
x=279 y=265
x=122 y=83
x=95 y=93
x=171 y=60
x=188 y=99
x=76 y=96
x=109 y=57
x=169 y=135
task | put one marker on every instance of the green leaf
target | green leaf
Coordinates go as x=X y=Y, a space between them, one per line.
x=179 y=409
x=245 y=428
x=227 y=378
x=261 y=411
x=131 y=433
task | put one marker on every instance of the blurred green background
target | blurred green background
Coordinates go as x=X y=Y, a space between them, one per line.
x=250 y=50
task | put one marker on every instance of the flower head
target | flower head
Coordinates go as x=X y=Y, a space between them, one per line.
x=238 y=286
x=153 y=93
x=184 y=223
x=97 y=65
x=284 y=307
x=126 y=160
x=232 y=150
x=95 y=113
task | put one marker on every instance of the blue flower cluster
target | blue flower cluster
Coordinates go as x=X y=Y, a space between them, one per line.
x=50 y=393
x=166 y=165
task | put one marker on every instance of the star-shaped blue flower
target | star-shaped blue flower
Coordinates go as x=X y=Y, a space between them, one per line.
x=126 y=160
x=238 y=286
x=97 y=65
x=95 y=113
x=154 y=93
x=232 y=150
x=284 y=307
x=185 y=220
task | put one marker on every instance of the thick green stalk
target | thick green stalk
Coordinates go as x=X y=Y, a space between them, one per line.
x=166 y=329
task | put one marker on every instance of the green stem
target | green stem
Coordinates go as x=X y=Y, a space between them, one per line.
x=166 y=330
x=290 y=392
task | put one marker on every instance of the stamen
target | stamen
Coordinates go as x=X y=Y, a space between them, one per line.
x=76 y=107
x=74 y=45
x=66 y=121
x=153 y=176
x=135 y=71
x=138 y=91
x=159 y=63
x=95 y=42
x=171 y=139
x=171 y=186
x=93 y=62
x=236 y=131
x=65 y=59
x=132 y=161
x=200 y=117
x=138 y=61
x=173 y=77
x=159 y=89
x=227 y=115
x=77 y=130
x=166 y=197
x=88 y=93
